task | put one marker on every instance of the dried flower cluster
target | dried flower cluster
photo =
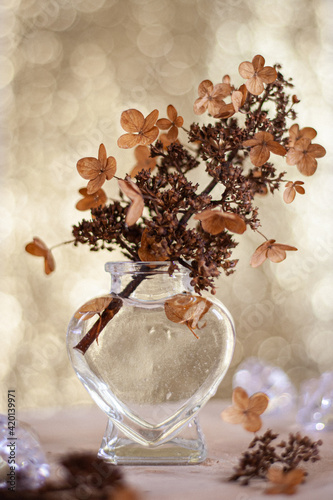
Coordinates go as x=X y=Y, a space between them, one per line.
x=235 y=152
x=261 y=455
x=83 y=476
x=162 y=216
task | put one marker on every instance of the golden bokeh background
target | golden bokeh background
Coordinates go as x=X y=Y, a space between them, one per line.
x=67 y=71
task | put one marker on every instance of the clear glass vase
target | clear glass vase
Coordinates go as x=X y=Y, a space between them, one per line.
x=151 y=374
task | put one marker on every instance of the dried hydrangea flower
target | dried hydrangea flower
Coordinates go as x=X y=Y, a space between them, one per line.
x=89 y=201
x=285 y=483
x=143 y=159
x=246 y=411
x=97 y=170
x=303 y=154
x=141 y=131
x=151 y=250
x=275 y=252
x=211 y=97
x=186 y=308
x=291 y=189
x=136 y=208
x=92 y=307
x=295 y=133
x=256 y=74
x=262 y=145
x=172 y=123
x=216 y=221
x=38 y=248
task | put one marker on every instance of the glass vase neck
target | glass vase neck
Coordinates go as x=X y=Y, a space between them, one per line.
x=147 y=280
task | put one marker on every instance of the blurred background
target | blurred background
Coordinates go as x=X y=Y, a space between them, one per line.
x=67 y=71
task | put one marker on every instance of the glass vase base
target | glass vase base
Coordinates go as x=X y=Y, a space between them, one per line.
x=187 y=447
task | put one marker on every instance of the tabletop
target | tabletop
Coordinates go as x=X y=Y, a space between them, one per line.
x=82 y=428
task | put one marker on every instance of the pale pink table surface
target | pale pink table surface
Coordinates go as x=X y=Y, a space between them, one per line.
x=82 y=428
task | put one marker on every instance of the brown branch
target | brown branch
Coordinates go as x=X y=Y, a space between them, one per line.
x=108 y=313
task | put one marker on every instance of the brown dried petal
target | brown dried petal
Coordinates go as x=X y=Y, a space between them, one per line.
x=172 y=113
x=96 y=183
x=258 y=63
x=136 y=208
x=94 y=200
x=258 y=402
x=284 y=482
x=317 y=150
x=234 y=223
x=132 y=120
x=246 y=69
x=232 y=415
x=135 y=211
x=38 y=248
x=260 y=255
x=240 y=398
x=299 y=189
x=200 y=105
x=259 y=155
x=127 y=141
x=289 y=194
x=277 y=252
x=307 y=165
x=163 y=124
x=212 y=221
x=276 y=148
x=205 y=88
x=88 y=167
x=179 y=122
x=49 y=263
x=236 y=99
x=252 y=422
x=255 y=85
x=149 y=136
x=293 y=156
x=150 y=122
x=92 y=307
x=102 y=157
x=267 y=74
x=214 y=107
x=295 y=133
x=173 y=134
x=110 y=167
x=221 y=90
x=225 y=111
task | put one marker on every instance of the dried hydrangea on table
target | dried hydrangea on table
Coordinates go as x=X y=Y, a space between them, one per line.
x=160 y=215
x=258 y=460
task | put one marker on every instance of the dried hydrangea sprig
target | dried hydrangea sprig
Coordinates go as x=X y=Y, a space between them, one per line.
x=154 y=222
x=79 y=475
x=256 y=462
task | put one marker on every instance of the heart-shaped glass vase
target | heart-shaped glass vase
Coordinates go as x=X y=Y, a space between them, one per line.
x=151 y=354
